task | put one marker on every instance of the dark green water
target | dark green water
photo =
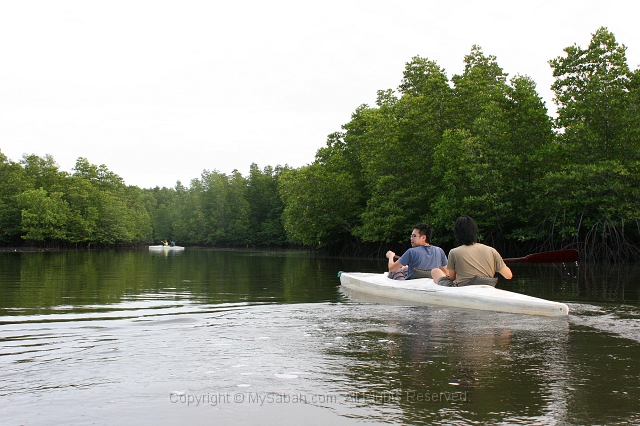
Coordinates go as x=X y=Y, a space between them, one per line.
x=267 y=337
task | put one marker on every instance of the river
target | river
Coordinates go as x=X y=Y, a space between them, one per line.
x=267 y=337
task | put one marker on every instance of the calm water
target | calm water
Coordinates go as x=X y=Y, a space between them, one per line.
x=267 y=337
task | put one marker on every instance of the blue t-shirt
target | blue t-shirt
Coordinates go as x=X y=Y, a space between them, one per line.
x=426 y=257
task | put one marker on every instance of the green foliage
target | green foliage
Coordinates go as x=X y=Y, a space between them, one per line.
x=593 y=167
x=477 y=144
x=631 y=129
x=105 y=210
x=137 y=217
x=594 y=191
x=237 y=211
x=100 y=176
x=43 y=172
x=592 y=92
x=93 y=206
x=84 y=212
x=219 y=209
x=396 y=143
x=479 y=88
x=13 y=181
x=470 y=184
x=320 y=205
x=265 y=205
x=44 y=216
x=40 y=204
x=483 y=146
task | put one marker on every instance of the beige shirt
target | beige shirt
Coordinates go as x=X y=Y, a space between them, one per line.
x=476 y=259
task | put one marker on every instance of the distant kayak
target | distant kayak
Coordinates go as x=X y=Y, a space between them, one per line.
x=424 y=290
x=166 y=248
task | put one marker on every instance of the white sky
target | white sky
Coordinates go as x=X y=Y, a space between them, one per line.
x=159 y=91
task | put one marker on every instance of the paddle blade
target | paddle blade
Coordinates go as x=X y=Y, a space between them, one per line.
x=558 y=256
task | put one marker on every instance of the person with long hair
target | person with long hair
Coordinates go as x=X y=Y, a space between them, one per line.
x=472 y=262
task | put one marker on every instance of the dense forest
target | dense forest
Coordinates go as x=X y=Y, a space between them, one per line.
x=477 y=144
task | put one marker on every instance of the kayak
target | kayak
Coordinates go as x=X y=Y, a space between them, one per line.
x=166 y=248
x=424 y=290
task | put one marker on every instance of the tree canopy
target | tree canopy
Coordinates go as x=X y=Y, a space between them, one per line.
x=483 y=145
x=479 y=144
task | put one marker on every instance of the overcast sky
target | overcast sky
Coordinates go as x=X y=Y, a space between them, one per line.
x=159 y=91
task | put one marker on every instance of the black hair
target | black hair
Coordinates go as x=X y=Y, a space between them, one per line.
x=425 y=230
x=466 y=230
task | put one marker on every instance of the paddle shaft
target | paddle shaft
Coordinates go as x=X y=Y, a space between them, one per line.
x=558 y=256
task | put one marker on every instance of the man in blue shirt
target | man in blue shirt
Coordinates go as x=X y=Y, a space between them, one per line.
x=421 y=254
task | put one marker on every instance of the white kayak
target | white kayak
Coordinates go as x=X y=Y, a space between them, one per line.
x=424 y=290
x=166 y=248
